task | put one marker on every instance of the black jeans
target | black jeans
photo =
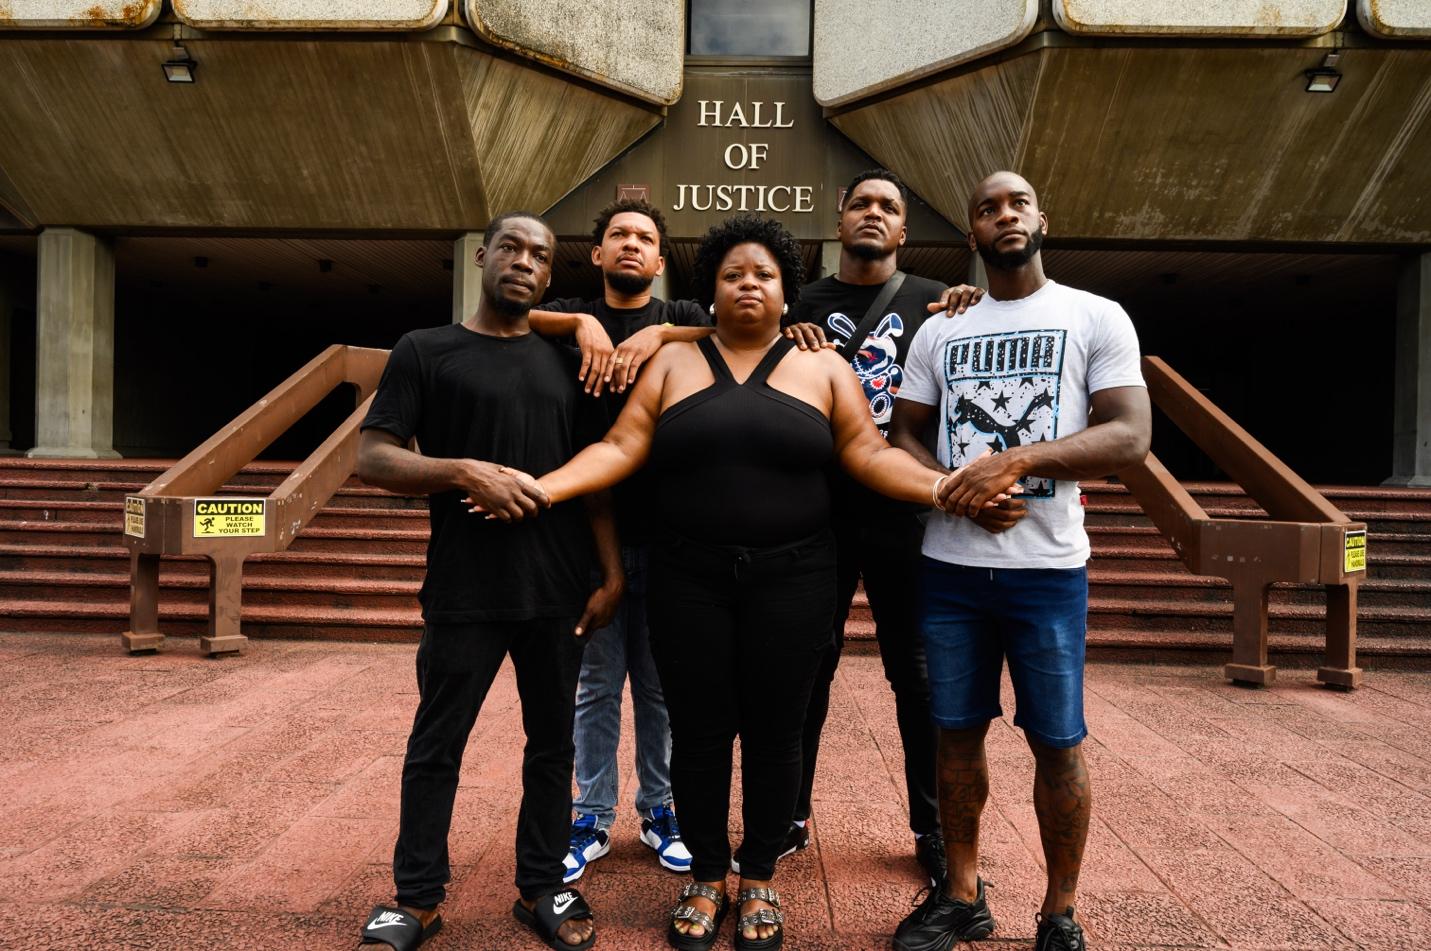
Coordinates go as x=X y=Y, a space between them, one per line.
x=886 y=551
x=456 y=664
x=737 y=635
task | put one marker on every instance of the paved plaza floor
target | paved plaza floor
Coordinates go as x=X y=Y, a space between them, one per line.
x=173 y=801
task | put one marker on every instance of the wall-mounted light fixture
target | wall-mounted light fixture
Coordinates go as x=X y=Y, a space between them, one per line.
x=180 y=66
x=1324 y=78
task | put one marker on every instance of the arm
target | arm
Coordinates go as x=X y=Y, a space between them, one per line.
x=624 y=448
x=1118 y=435
x=601 y=606
x=863 y=452
x=640 y=347
x=591 y=338
x=509 y=494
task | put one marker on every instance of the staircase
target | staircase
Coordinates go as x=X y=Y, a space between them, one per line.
x=354 y=572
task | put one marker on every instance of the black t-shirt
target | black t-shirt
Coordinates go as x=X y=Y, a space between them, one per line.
x=838 y=308
x=508 y=400
x=632 y=497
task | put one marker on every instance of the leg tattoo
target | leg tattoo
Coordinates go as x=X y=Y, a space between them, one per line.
x=1063 y=802
x=963 y=790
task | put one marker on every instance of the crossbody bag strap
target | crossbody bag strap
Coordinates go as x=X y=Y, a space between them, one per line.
x=872 y=316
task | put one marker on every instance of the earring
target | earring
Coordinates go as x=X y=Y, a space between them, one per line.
x=784 y=309
x=712 y=309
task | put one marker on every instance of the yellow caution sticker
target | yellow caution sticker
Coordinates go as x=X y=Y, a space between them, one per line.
x=229 y=518
x=1356 y=551
x=134 y=516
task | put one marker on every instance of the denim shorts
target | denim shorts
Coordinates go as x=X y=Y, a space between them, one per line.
x=973 y=618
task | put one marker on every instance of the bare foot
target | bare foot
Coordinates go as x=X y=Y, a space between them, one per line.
x=573 y=930
x=699 y=904
x=756 y=932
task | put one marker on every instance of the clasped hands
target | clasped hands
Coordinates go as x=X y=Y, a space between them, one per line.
x=504 y=493
x=984 y=490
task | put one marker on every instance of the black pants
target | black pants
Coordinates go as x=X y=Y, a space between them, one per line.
x=456 y=664
x=886 y=551
x=738 y=636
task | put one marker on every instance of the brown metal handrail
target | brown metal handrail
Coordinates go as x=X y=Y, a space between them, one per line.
x=165 y=517
x=1306 y=540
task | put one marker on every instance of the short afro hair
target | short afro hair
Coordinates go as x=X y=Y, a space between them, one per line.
x=638 y=205
x=495 y=225
x=749 y=229
x=879 y=174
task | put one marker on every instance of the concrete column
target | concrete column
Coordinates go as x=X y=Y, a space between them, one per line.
x=1411 y=411
x=74 y=347
x=466 y=276
x=829 y=259
x=978 y=273
x=7 y=305
x=659 y=286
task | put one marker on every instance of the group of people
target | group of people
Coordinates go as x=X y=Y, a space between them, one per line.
x=689 y=496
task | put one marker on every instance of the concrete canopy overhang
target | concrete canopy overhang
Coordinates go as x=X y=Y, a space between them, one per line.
x=391 y=131
x=1176 y=141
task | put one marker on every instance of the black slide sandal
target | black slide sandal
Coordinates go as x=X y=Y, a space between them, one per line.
x=397 y=928
x=550 y=912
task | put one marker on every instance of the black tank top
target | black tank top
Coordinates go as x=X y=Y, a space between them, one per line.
x=742 y=463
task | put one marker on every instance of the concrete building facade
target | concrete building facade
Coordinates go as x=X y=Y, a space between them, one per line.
x=197 y=195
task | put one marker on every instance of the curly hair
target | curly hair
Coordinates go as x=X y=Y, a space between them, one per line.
x=752 y=229
x=638 y=205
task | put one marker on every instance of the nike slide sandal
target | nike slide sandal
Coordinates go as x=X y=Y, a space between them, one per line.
x=397 y=928
x=552 y=911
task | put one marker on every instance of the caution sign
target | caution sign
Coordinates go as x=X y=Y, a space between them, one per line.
x=134 y=516
x=1356 y=551
x=229 y=518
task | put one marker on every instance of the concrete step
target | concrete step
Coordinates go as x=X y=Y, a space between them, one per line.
x=1120 y=614
x=1182 y=586
x=318 y=594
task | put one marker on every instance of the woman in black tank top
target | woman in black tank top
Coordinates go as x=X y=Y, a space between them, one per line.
x=738 y=431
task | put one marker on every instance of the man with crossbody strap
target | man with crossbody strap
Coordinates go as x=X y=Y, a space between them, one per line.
x=872 y=310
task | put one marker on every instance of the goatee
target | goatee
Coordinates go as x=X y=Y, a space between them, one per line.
x=510 y=308
x=1011 y=260
x=626 y=282
x=867 y=251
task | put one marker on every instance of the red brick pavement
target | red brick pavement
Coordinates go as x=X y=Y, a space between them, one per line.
x=178 y=802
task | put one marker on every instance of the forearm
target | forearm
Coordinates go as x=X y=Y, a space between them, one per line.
x=675 y=334
x=599 y=466
x=549 y=323
x=894 y=472
x=606 y=537
x=1099 y=450
x=911 y=444
x=401 y=470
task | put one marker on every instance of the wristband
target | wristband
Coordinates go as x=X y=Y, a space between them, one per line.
x=934 y=492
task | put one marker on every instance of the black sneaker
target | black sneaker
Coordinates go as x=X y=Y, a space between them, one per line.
x=796 y=839
x=1059 y=933
x=940 y=921
x=929 y=851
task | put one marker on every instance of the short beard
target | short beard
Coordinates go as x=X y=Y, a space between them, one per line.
x=512 y=309
x=867 y=252
x=1012 y=260
x=626 y=283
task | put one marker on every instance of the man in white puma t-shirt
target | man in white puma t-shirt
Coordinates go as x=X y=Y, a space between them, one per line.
x=1038 y=384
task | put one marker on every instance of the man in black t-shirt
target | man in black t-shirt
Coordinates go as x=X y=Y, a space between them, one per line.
x=627 y=246
x=877 y=537
x=488 y=402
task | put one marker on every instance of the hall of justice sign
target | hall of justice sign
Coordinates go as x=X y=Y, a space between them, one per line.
x=740 y=156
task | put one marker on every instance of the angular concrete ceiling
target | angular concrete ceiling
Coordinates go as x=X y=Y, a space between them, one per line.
x=1196 y=143
x=282 y=132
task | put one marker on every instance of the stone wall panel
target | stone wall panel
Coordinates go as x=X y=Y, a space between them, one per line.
x=78 y=14
x=858 y=54
x=1204 y=18
x=636 y=47
x=311 y=14
x=1395 y=19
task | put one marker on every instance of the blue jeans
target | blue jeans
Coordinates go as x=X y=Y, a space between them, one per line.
x=973 y=618
x=622 y=647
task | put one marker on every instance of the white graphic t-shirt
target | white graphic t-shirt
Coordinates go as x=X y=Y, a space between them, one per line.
x=1011 y=373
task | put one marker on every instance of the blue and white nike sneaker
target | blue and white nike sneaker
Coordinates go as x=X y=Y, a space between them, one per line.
x=660 y=831
x=588 y=843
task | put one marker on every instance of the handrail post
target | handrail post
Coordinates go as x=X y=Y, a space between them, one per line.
x=1340 y=669
x=225 y=605
x=143 y=633
x=1249 y=633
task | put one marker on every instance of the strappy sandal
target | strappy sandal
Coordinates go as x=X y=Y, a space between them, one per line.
x=685 y=912
x=761 y=916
